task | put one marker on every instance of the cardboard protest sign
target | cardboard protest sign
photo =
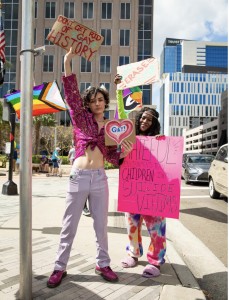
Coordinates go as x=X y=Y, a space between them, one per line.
x=68 y=33
x=116 y=131
x=150 y=177
x=138 y=73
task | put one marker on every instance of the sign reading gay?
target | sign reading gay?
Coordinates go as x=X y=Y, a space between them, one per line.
x=150 y=176
x=67 y=33
x=116 y=131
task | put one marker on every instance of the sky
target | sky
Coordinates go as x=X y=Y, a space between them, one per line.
x=201 y=20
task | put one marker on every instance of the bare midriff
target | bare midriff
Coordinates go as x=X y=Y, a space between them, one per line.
x=93 y=159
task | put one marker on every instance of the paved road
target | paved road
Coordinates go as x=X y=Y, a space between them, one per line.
x=206 y=218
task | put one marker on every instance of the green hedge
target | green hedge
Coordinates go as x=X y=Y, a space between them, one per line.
x=3 y=160
x=37 y=158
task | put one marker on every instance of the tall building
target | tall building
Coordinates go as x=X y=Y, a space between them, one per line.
x=127 y=28
x=194 y=74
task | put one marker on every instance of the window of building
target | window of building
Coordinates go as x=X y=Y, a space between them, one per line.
x=69 y=8
x=48 y=63
x=85 y=65
x=106 y=33
x=87 y=10
x=50 y=10
x=106 y=84
x=124 y=37
x=35 y=36
x=46 y=32
x=107 y=114
x=125 y=11
x=84 y=86
x=106 y=11
x=105 y=64
x=217 y=56
x=124 y=60
x=35 y=9
x=145 y=22
x=146 y=94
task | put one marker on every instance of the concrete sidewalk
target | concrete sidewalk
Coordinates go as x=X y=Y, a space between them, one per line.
x=175 y=283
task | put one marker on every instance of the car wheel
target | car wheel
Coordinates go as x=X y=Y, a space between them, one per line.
x=212 y=192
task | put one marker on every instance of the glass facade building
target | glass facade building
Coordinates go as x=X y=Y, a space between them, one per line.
x=194 y=75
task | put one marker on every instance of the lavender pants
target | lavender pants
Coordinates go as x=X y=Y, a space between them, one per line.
x=83 y=184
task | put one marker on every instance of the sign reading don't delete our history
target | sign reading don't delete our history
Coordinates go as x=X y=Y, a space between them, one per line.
x=68 y=33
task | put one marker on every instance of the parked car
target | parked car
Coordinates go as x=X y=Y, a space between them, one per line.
x=186 y=154
x=217 y=174
x=195 y=167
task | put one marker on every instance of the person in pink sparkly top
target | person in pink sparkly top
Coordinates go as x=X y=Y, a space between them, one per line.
x=88 y=179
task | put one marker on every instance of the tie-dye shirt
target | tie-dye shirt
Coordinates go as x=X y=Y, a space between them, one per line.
x=85 y=127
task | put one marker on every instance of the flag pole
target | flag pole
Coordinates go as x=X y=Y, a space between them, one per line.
x=27 y=63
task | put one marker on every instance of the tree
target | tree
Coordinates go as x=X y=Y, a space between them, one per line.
x=43 y=120
x=5 y=130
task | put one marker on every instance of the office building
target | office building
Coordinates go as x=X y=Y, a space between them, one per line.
x=127 y=28
x=194 y=74
x=209 y=137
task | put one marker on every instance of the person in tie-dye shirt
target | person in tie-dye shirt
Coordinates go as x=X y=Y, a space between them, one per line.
x=146 y=123
x=88 y=179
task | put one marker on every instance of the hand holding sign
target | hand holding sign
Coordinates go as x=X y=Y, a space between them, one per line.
x=116 y=131
x=67 y=33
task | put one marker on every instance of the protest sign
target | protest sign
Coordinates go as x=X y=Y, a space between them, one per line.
x=150 y=176
x=138 y=73
x=116 y=131
x=68 y=33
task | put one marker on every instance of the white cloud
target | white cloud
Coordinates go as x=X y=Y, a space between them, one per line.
x=204 y=20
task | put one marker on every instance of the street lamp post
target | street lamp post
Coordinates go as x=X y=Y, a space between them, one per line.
x=9 y=187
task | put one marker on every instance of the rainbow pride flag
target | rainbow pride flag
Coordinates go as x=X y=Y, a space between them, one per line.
x=47 y=99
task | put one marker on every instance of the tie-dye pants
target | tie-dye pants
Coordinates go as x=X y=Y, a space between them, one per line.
x=156 y=227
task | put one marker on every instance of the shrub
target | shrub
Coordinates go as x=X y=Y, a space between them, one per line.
x=65 y=160
x=108 y=165
x=3 y=160
x=36 y=159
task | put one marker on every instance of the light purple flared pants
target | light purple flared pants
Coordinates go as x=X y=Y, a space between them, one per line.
x=83 y=184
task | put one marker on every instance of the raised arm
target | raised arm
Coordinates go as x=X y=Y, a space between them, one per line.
x=119 y=98
x=67 y=62
x=71 y=90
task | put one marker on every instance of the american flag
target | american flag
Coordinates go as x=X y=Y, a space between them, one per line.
x=2 y=39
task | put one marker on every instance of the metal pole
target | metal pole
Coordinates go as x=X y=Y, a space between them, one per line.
x=27 y=62
x=55 y=136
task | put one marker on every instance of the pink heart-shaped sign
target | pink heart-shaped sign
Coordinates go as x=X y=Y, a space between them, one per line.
x=119 y=130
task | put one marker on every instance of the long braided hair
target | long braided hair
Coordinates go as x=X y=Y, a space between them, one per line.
x=154 y=129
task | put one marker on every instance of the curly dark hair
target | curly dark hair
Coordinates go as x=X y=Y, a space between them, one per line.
x=154 y=128
x=87 y=94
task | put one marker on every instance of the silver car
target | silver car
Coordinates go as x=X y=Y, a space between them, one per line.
x=195 y=167
x=217 y=175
